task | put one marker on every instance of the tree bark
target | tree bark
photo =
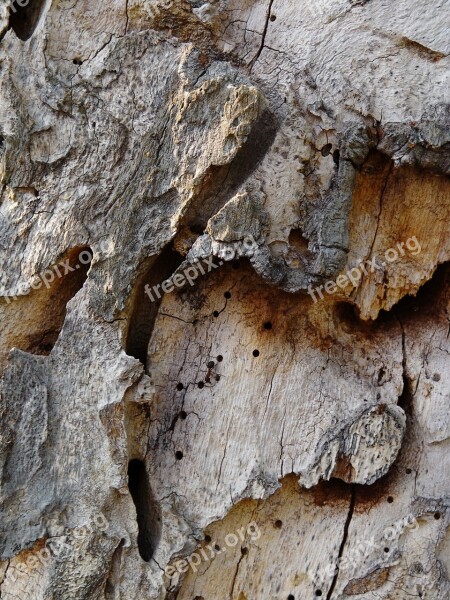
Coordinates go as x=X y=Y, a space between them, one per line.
x=224 y=298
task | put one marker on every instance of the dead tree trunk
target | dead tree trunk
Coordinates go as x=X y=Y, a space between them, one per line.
x=224 y=299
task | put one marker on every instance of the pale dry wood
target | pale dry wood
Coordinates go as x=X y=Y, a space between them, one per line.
x=321 y=130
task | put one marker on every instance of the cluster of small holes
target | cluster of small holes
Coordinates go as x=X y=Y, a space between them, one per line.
x=211 y=364
x=201 y=384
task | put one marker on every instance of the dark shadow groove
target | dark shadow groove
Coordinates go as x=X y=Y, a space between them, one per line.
x=148 y=512
x=430 y=297
x=24 y=19
x=222 y=183
x=144 y=310
x=219 y=186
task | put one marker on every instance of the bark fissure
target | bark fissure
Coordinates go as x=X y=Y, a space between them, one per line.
x=147 y=509
x=265 y=189
x=264 y=35
x=347 y=524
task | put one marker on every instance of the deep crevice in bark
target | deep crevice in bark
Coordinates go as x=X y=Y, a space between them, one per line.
x=24 y=19
x=148 y=296
x=406 y=398
x=148 y=512
x=219 y=186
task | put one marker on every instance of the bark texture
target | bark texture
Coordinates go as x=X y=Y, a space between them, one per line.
x=224 y=300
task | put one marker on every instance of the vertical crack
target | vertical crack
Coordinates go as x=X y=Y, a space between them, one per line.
x=351 y=510
x=235 y=576
x=406 y=397
x=264 y=35
x=127 y=17
x=380 y=210
x=380 y=206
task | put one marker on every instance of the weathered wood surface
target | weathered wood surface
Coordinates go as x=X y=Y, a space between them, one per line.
x=273 y=422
